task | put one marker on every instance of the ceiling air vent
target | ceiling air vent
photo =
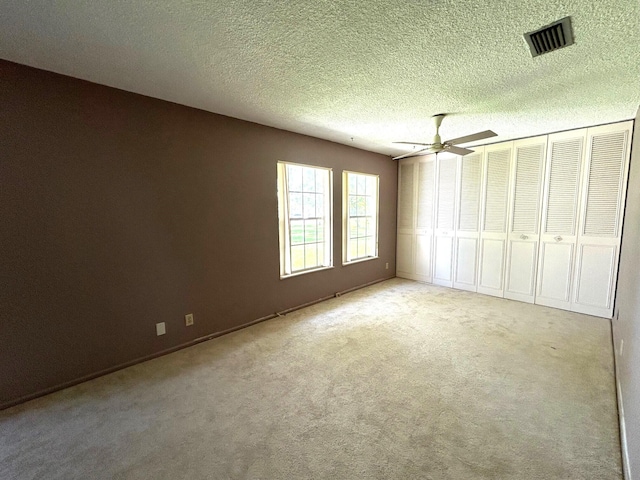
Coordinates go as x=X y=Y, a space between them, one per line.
x=552 y=37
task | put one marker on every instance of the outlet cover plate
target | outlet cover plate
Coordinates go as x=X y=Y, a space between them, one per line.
x=188 y=319
x=161 y=328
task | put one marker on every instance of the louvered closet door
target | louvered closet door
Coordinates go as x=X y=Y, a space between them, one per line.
x=602 y=207
x=425 y=217
x=565 y=152
x=468 y=220
x=447 y=166
x=405 y=260
x=493 y=233
x=524 y=218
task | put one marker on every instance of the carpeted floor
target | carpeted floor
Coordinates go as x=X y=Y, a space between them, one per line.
x=400 y=380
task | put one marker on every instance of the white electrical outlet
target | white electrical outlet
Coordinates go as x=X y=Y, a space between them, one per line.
x=386 y=266
x=161 y=329
x=188 y=319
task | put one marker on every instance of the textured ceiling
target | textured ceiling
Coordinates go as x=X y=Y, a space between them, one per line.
x=375 y=70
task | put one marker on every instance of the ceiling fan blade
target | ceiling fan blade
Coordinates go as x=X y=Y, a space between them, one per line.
x=411 y=154
x=459 y=150
x=415 y=143
x=472 y=138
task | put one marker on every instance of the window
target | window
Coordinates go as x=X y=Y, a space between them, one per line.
x=360 y=214
x=304 y=214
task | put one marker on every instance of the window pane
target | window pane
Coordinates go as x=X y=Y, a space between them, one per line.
x=362 y=227
x=310 y=234
x=353 y=205
x=297 y=258
x=352 y=183
x=362 y=205
x=369 y=226
x=353 y=249
x=371 y=246
x=295 y=178
x=320 y=230
x=362 y=210
x=305 y=236
x=319 y=205
x=362 y=247
x=297 y=232
x=295 y=205
x=353 y=228
x=309 y=180
x=362 y=182
x=321 y=179
x=371 y=206
x=309 y=205
x=311 y=255
x=371 y=185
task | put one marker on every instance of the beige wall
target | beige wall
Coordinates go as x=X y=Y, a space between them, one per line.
x=119 y=211
x=627 y=327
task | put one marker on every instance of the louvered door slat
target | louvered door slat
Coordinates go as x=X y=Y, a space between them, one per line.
x=425 y=194
x=604 y=183
x=446 y=194
x=526 y=201
x=497 y=185
x=405 y=203
x=562 y=198
x=470 y=193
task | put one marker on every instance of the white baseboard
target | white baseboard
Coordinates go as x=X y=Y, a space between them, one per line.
x=626 y=466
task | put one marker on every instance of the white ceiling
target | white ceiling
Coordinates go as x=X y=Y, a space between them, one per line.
x=372 y=70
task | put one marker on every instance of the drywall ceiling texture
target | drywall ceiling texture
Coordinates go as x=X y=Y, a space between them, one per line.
x=373 y=71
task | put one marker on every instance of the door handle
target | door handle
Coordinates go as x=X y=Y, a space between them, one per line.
x=558 y=238
x=524 y=237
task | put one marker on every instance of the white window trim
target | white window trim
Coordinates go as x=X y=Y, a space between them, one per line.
x=345 y=218
x=284 y=223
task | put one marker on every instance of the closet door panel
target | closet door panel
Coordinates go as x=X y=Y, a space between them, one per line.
x=425 y=192
x=443 y=263
x=404 y=255
x=521 y=270
x=468 y=221
x=598 y=244
x=493 y=233
x=423 y=257
x=524 y=218
x=444 y=255
x=554 y=275
x=491 y=261
x=565 y=153
x=405 y=244
x=596 y=265
x=406 y=195
x=466 y=261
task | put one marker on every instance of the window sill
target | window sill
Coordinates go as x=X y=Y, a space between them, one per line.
x=297 y=274
x=359 y=260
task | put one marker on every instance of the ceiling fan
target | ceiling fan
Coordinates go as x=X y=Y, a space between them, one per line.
x=438 y=146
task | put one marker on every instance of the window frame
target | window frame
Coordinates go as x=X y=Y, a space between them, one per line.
x=346 y=257
x=284 y=220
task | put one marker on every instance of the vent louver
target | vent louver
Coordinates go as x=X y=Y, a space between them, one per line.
x=552 y=37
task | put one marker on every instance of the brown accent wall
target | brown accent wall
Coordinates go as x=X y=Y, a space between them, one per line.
x=627 y=327
x=119 y=211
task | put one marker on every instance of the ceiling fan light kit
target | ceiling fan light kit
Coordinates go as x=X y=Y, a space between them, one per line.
x=438 y=146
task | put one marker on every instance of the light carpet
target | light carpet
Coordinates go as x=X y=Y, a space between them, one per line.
x=400 y=380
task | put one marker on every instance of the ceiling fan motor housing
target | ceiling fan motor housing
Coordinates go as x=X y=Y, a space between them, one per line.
x=437 y=121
